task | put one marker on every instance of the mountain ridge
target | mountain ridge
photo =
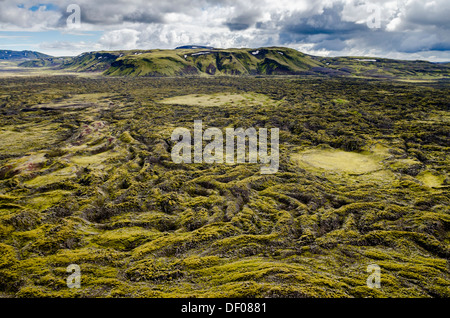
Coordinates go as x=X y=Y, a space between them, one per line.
x=22 y=55
x=261 y=61
x=193 y=60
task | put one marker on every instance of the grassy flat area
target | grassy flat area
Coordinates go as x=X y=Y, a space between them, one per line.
x=349 y=162
x=20 y=138
x=12 y=69
x=219 y=99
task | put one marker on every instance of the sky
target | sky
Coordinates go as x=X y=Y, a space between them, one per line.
x=400 y=29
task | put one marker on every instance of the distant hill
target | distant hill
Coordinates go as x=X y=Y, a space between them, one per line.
x=206 y=61
x=263 y=61
x=188 y=61
x=194 y=47
x=384 y=68
x=93 y=61
x=21 y=55
x=45 y=62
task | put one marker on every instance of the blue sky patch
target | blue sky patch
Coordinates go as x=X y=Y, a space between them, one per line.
x=48 y=7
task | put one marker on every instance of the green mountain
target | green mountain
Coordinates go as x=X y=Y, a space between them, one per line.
x=385 y=68
x=21 y=55
x=199 y=61
x=263 y=61
x=45 y=62
x=206 y=61
x=93 y=61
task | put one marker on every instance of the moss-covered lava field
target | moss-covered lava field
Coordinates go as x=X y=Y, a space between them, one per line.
x=86 y=178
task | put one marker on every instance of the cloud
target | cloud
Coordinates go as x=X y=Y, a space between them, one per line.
x=244 y=19
x=68 y=46
x=407 y=28
x=329 y=21
x=426 y=13
x=120 y=39
x=25 y=17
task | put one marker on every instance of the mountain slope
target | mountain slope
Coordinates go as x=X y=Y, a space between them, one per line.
x=45 y=62
x=179 y=62
x=20 y=55
x=385 y=68
x=206 y=61
x=194 y=47
x=264 y=61
x=92 y=61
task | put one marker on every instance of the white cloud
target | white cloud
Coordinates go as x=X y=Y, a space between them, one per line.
x=326 y=27
x=120 y=39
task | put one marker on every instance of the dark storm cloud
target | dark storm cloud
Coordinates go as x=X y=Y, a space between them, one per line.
x=328 y=22
x=233 y=26
x=102 y=18
x=143 y=17
x=333 y=45
x=117 y=15
x=428 y=13
x=243 y=21
x=326 y=30
x=117 y=12
x=417 y=31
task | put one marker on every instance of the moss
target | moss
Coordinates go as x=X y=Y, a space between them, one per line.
x=393 y=238
x=366 y=292
x=196 y=262
x=192 y=220
x=48 y=199
x=48 y=238
x=52 y=282
x=126 y=137
x=243 y=240
x=125 y=238
x=287 y=280
x=95 y=160
x=153 y=270
x=22 y=138
x=221 y=100
x=53 y=177
x=32 y=292
x=8 y=256
x=10 y=278
x=25 y=221
x=170 y=244
x=247 y=220
x=5 y=230
x=148 y=220
x=243 y=270
x=5 y=198
x=430 y=179
x=92 y=183
x=348 y=162
x=93 y=255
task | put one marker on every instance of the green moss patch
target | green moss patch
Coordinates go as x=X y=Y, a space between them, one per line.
x=221 y=99
x=431 y=179
x=22 y=138
x=54 y=177
x=338 y=160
